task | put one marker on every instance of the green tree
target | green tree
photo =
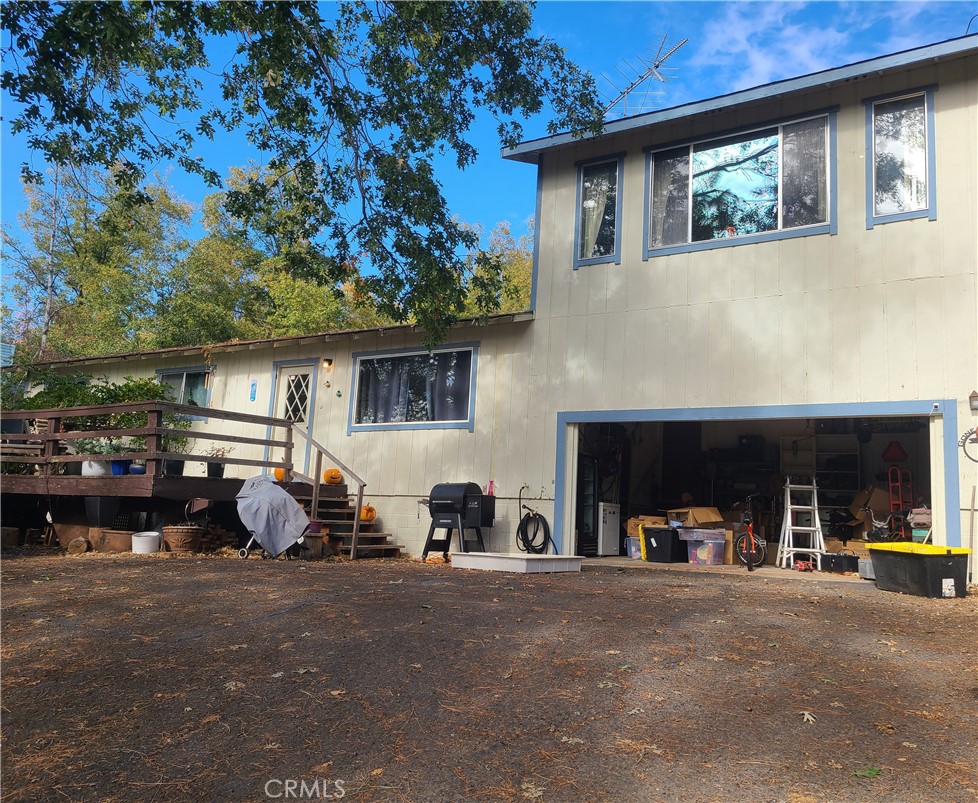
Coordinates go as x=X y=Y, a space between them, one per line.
x=352 y=108
x=90 y=262
x=505 y=272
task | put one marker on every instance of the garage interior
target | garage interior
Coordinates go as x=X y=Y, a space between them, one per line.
x=648 y=468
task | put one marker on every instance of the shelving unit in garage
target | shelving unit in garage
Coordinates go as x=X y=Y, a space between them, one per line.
x=834 y=462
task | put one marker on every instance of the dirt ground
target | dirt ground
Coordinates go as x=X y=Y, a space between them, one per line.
x=206 y=678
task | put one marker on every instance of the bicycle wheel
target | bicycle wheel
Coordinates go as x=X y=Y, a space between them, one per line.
x=750 y=554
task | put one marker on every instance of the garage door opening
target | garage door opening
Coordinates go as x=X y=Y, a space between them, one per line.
x=645 y=468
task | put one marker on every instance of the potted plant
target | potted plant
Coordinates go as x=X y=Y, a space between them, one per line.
x=94 y=446
x=216 y=470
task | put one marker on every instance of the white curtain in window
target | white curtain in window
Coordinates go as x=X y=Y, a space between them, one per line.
x=596 y=187
x=670 y=198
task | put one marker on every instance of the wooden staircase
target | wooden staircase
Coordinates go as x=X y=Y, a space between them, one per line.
x=337 y=511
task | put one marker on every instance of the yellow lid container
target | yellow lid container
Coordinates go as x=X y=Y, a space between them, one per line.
x=908 y=548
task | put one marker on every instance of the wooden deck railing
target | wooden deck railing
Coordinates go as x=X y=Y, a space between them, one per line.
x=48 y=436
x=47 y=441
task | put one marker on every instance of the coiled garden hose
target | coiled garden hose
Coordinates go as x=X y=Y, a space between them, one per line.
x=530 y=528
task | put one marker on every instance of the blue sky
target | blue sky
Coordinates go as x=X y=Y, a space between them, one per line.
x=730 y=46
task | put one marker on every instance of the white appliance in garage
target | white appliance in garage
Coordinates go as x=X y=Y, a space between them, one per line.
x=609 y=526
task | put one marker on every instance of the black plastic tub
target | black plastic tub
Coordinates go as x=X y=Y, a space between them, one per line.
x=924 y=570
x=840 y=562
x=662 y=545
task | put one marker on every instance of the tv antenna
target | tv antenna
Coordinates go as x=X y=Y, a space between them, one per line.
x=626 y=99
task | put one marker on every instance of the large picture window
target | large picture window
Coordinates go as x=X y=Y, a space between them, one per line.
x=414 y=390
x=762 y=182
x=900 y=158
x=598 y=225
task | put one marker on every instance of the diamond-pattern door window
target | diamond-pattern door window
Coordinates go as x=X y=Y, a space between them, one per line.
x=297 y=397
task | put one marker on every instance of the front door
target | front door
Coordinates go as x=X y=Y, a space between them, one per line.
x=295 y=391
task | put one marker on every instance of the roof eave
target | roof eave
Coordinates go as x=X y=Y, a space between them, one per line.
x=531 y=150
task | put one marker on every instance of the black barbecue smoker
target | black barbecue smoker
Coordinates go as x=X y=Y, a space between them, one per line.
x=457 y=506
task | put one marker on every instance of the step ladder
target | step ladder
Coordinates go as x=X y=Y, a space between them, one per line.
x=800 y=498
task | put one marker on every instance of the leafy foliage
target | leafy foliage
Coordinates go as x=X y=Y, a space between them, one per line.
x=351 y=109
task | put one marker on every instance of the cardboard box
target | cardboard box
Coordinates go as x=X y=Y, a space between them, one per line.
x=875 y=498
x=631 y=528
x=833 y=545
x=702 y=517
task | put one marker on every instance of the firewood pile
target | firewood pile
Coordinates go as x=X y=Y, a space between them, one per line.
x=216 y=538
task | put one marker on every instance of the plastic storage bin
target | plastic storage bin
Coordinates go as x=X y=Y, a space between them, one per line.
x=704 y=547
x=924 y=570
x=661 y=545
x=633 y=547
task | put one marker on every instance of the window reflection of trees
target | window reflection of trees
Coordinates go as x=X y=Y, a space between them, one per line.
x=899 y=156
x=735 y=185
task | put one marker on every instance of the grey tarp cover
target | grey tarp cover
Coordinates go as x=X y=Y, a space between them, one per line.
x=275 y=519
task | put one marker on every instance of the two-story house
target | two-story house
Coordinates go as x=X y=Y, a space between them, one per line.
x=776 y=280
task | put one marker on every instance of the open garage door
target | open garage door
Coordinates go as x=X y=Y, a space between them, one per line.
x=647 y=467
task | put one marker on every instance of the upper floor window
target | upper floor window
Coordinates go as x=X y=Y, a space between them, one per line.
x=899 y=132
x=598 y=224
x=414 y=390
x=761 y=184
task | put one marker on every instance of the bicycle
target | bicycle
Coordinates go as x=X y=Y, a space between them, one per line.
x=751 y=549
x=882 y=531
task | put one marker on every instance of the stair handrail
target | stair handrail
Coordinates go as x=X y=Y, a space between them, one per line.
x=322 y=451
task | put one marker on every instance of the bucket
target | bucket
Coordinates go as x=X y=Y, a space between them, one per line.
x=146 y=543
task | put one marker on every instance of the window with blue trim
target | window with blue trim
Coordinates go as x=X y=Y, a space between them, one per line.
x=189 y=385
x=414 y=388
x=760 y=182
x=598 y=225
x=901 y=144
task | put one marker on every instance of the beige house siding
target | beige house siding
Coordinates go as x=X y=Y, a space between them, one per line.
x=859 y=317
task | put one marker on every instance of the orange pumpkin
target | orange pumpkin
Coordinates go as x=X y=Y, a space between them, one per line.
x=368 y=513
x=333 y=476
x=280 y=474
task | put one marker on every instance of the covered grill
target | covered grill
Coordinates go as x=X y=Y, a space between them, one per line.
x=457 y=506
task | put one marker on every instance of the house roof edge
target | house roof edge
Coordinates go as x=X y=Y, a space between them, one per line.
x=530 y=150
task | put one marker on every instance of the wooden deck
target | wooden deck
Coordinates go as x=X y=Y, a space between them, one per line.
x=126 y=485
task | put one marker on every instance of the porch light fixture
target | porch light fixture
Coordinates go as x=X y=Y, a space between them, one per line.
x=327 y=364
x=973 y=400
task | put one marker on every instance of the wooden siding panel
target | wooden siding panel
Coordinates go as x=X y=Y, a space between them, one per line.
x=593 y=351
x=675 y=356
x=792 y=348
x=696 y=369
x=819 y=358
x=843 y=313
x=742 y=362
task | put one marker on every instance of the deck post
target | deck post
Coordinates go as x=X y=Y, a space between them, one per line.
x=154 y=443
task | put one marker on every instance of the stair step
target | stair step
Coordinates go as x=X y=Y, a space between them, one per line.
x=347 y=538
x=335 y=526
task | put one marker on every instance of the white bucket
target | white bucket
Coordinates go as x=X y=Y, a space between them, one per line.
x=146 y=543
